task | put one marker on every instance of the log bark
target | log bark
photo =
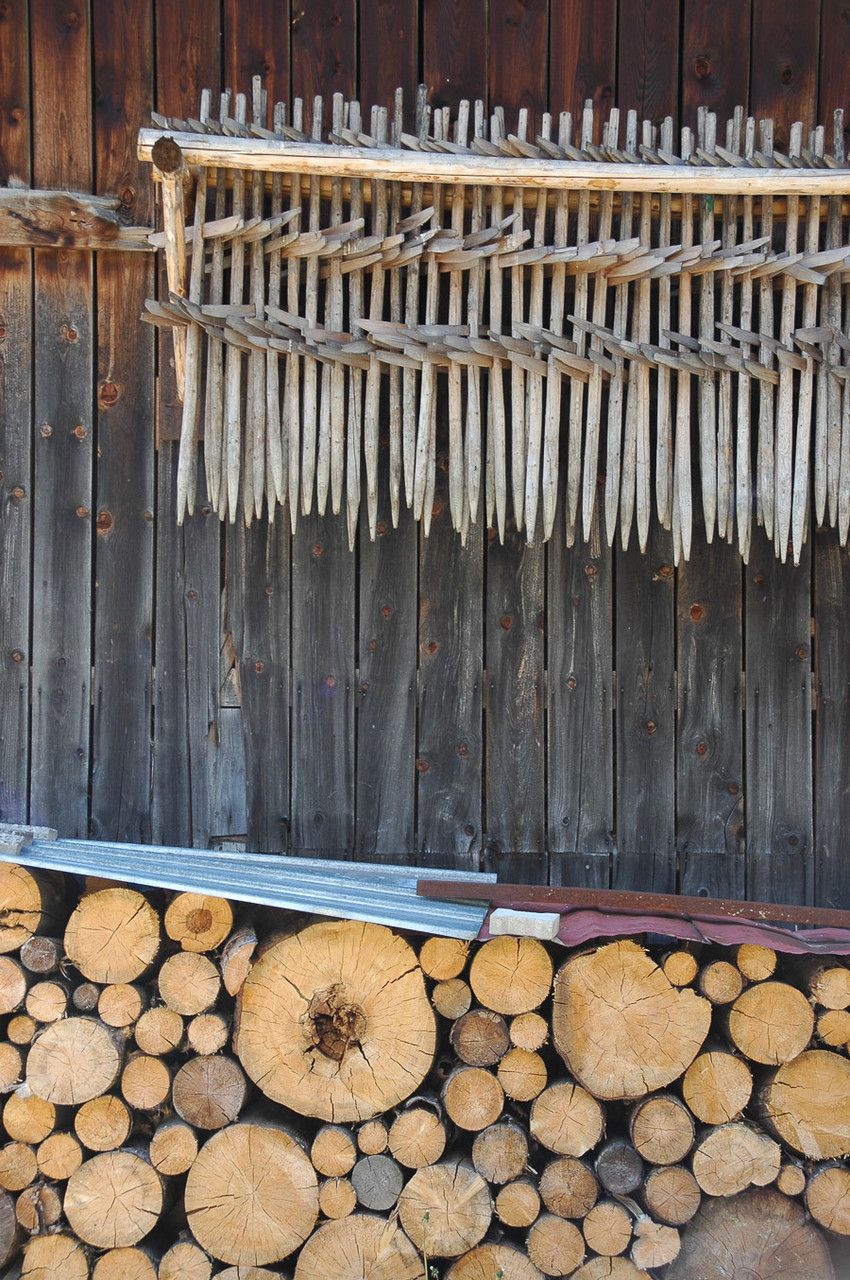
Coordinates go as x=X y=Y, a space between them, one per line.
x=806 y=1103
x=31 y=902
x=112 y=936
x=480 y=1038
x=145 y=1082
x=417 y=1137
x=500 y=1152
x=446 y=1209
x=529 y=1031
x=320 y=1008
x=333 y=1151
x=209 y=1093
x=237 y=1213
x=59 y=1156
x=522 y=1074
x=518 y=1203
x=490 y=1260
x=672 y=1194
x=48 y=1257
x=828 y=1198
x=237 y=957
x=607 y=1228
x=113 y=1200
x=473 y=1098
x=620 y=1026
x=511 y=975
x=619 y=1167
x=566 y=1119
x=717 y=1086
x=377 y=1182
x=662 y=1129
x=443 y=958
x=85 y=996
x=569 y=1187
x=356 y=1246
x=73 y=1061
x=337 y=1198
x=42 y=955
x=10 y=1228
x=28 y=1118
x=555 y=1246
x=771 y=1023
x=173 y=1147
x=124 y=1264
x=198 y=922
x=159 y=1031
x=732 y=1157
x=451 y=998
x=189 y=983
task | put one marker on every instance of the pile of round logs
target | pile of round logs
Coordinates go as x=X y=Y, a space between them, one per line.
x=188 y=1092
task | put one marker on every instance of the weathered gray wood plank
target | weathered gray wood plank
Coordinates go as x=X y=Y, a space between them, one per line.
x=832 y=720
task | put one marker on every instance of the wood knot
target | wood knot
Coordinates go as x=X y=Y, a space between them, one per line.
x=507 y=622
x=702 y=67
x=696 y=612
x=259 y=667
x=108 y=394
x=335 y=1023
x=104 y=522
x=422 y=766
x=786 y=75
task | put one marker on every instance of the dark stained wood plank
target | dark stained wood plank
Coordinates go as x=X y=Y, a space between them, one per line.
x=518 y=62
x=386 y=695
x=514 y=721
x=784 y=71
x=645 y=717
x=256 y=43
x=582 y=56
x=454 y=51
x=648 y=58
x=832 y=720
x=16 y=373
x=834 y=79
x=715 y=58
x=778 y=719
x=580 y=739
x=388 y=37
x=323 y=635
x=121 y=742
x=62 y=487
x=709 y=748
x=324 y=52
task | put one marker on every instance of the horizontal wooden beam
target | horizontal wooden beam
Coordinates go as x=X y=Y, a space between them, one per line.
x=66 y=220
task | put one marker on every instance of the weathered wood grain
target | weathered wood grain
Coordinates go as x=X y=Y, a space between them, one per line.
x=324 y=51
x=784 y=70
x=582 y=56
x=256 y=43
x=834 y=69
x=648 y=58
x=715 y=58
x=832 y=720
x=61 y=219
x=519 y=57
x=454 y=51
x=388 y=54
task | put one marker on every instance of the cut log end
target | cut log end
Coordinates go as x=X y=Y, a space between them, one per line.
x=112 y=935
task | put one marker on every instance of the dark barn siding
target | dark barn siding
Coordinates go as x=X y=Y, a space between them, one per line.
x=574 y=715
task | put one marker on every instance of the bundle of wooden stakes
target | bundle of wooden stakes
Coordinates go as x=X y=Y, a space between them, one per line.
x=185 y=1090
x=614 y=322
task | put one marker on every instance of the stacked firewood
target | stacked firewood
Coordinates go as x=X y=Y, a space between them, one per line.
x=189 y=1094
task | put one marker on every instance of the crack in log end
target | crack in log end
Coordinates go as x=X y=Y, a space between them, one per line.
x=333 y=1023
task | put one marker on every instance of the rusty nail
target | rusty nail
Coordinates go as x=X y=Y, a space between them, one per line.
x=259 y=667
x=702 y=749
x=382 y=527
x=802 y=653
x=80 y=432
x=696 y=612
x=590 y=570
x=82 y=512
x=318 y=549
x=507 y=622
x=104 y=521
x=17 y=656
x=386 y=611
x=269 y=591
x=330 y=682
x=462 y=749
x=19 y=492
x=651 y=726
x=46 y=430
x=422 y=766
x=571 y=682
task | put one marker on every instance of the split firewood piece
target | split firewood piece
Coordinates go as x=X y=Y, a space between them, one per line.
x=680 y=967
x=13 y=985
x=511 y=975
x=720 y=982
x=159 y=1030
x=85 y=996
x=73 y=1061
x=518 y=424
x=37 y=1207
x=555 y=1246
x=192 y=341
x=664 y=404
x=11 y=1066
x=337 y=1198
x=528 y=1031
x=806 y=1103
x=828 y=427
x=607 y=1228
x=373 y=1137
x=311 y=311
x=189 y=983
x=112 y=935
x=120 y=1004
x=654 y=1245
x=806 y=388
x=756 y=963
x=707 y=140
x=671 y=1194
x=833 y=1027
x=473 y=1098
x=103 y=1123
x=371 y=414
x=334 y=1021
x=377 y=1181
x=827 y=982
x=828 y=1198
x=113 y=1200
x=734 y=1156
x=214 y=398
x=411 y=317
x=717 y=1086
x=446 y=1209
x=682 y=492
x=237 y=956
x=417 y=1136
x=569 y=1187
x=759 y=1233
x=31 y=902
x=497 y=470
x=443 y=958
x=292 y=385
x=47 y=1257
x=331 y=459
x=333 y=1151
x=18 y=1166
x=209 y=1092
x=518 y=1203
x=58 y=1156
x=620 y=1026
x=28 y=1118
x=173 y=1147
x=635 y=490
x=566 y=1119
x=232 y=420
x=236 y=1211
x=500 y=1152
x=198 y=921
x=492 y=1260
x=185 y=1260
x=784 y=455
x=451 y=998
x=523 y=1074
x=277 y=451
x=146 y=1081
x=42 y=955
x=175 y=177
x=771 y=1023
x=480 y=1038
x=359 y=1245
x=791 y=1180
x=619 y=1167
x=124 y=1264
x=554 y=377
x=208 y=1033
x=534 y=381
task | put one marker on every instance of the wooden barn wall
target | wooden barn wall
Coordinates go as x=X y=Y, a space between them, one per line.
x=575 y=715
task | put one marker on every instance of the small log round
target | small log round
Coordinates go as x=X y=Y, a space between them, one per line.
x=490 y=1260
x=756 y=963
x=333 y=1152
x=522 y=1074
x=732 y=1157
x=662 y=1129
x=566 y=1119
x=73 y=1061
x=11 y=1066
x=59 y=1156
x=145 y=1082
x=717 y=1086
x=112 y=936
x=49 y=1257
x=828 y=983
x=37 y=1207
x=672 y=1194
x=47 y=1001
x=356 y=1246
x=771 y=1023
x=377 y=1181
x=337 y=1198
x=208 y=1033
x=511 y=975
x=247 y=1273
x=198 y=922
x=173 y=1147
x=828 y=1198
x=13 y=985
x=473 y=1098
x=21 y=1029
x=619 y=1167
x=610 y=1269
x=417 y=1137
x=518 y=1203
x=237 y=1212
x=555 y=1246
x=569 y=1187
x=28 y=1118
x=680 y=968
x=209 y=1093
x=30 y=902
x=443 y=958
x=451 y=998
x=18 y=1166
x=607 y=1228
x=189 y=983
x=720 y=982
x=655 y=1244
x=159 y=1031
x=833 y=1027
x=806 y=1103
x=528 y=1031
x=85 y=996
x=42 y=955
x=237 y=956
x=446 y=1208
x=372 y=1137
x=185 y=1260
x=103 y=1123
x=758 y=1233
x=791 y=1180
x=500 y=1152
x=113 y=1200
x=121 y=1004
x=480 y=1038
x=124 y=1264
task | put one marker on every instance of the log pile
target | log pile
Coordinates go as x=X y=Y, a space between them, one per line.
x=192 y=1092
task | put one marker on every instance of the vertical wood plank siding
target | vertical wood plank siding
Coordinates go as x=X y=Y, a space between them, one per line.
x=561 y=714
